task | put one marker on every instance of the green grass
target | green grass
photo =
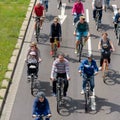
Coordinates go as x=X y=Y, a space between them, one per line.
x=12 y=14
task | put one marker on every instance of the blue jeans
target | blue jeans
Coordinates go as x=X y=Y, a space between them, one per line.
x=76 y=17
x=107 y=2
x=91 y=82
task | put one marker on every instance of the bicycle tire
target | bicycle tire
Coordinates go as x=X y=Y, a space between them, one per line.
x=58 y=98
x=55 y=51
x=86 y=101
x=32 y=84
x=37 y=31
x=119 y=38
x=80 y=50
x=104 y=68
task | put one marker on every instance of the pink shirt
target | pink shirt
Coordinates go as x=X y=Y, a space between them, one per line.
x=78 y=8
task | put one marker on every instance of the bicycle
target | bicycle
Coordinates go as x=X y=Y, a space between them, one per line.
x=117 y=32
x=33 y=69
x=89 y=99
x=59 y=92
x=41 y=117
x=97 y=22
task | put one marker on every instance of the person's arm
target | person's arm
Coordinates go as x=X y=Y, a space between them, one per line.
x=47 y=106
x=35 y=107
x=67 y=69
x=111 y=43
x=83 y=10
x=76 y=26
x=38 y=55
x=60 y=30
x=99 y=45
x=81 y=67
x=95 y=67
x=73 y=9
x=53 y=69
x=103 y=4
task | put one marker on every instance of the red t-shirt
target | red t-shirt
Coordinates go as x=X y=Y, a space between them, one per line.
x=39 y=10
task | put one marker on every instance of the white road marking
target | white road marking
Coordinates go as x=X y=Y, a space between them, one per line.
x=89 y=39
x=62 y=16
x=115 y=10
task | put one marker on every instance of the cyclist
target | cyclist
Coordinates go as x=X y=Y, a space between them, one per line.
x=77 y=10
x=35 y=49
x=41 y=106
x=60 y=68
x=98 y=4
x=59 y=4
x=88 y=68
x=39 y=11
x=117 y=20
x=55 y=31
x=81 y=30
x=45 y=4
x=105 y=45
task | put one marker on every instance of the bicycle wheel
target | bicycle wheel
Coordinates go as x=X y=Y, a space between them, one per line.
x=87 y=101
x=32 y=84
x=80 y=50
x=104 y=68
x=119 y=38
x=37 y=31
x=55 y=51
x=58 y=95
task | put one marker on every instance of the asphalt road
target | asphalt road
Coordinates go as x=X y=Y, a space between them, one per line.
x=20 y=101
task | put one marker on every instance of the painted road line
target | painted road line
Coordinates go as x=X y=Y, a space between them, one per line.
x=89 y=39
x=62 y=16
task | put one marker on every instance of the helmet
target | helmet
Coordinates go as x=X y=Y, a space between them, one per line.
x=32 y=53
x=90 y=56
x=41 y=94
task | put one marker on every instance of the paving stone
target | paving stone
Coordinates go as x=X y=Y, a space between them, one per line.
x=13 y=59
x=2 y=92
x=11 y=66
x=5 y=83
x=8 y=74
x=15 y=52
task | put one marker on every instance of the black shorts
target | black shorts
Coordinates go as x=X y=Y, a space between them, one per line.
x=52 y=39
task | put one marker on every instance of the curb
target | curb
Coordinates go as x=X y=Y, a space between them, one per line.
x=15 y=56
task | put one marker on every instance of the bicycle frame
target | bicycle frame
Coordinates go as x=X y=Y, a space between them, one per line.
x=59 y=91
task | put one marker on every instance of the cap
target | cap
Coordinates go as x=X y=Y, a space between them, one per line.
x=41 y=95
x=32 y=53
x=33 y=44
x=83 y=17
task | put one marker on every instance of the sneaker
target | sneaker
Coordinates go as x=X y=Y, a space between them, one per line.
x=29 y=77
x=76 y=51
x=82 y=92
x=73 y=23
x=100 y=68
x=51 y=52
x=64 y=94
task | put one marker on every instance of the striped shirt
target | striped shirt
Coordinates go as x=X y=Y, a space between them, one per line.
x=60 y=67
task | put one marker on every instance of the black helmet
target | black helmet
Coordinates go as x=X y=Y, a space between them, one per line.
x=41 y=95
x=90 y=56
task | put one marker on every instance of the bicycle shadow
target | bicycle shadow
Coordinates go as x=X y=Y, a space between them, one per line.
x=106 y=106
x=112 y=78
x=68 y=7
x=43 y=38
x=49 y=18
x=105 y=27
x=70 y=106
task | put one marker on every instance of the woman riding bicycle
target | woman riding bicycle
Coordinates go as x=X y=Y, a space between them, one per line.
x=105 y=45
x=88 y=68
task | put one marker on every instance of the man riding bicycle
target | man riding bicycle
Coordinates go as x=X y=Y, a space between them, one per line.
x=55 y=31
x=81 y=30
x=117 y=20
x=77 y=10
x=98 y=4
x=60 y=68
x=41 y=106
x=88 y=68
x=39 y=12
x=105 y=45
